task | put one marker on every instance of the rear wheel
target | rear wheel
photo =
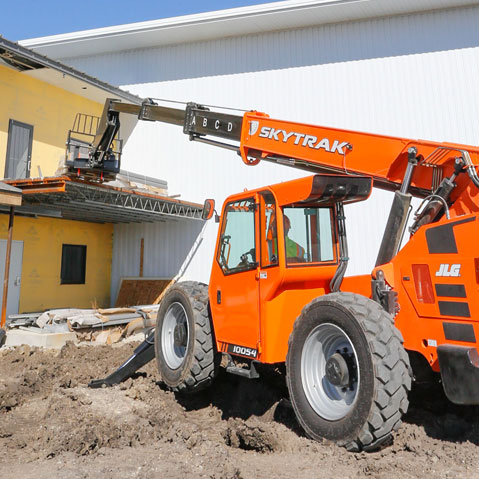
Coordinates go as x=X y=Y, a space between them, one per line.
x=347 y=371
x=184 y=345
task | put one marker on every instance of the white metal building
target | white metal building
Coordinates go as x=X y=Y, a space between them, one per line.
x=397 y=67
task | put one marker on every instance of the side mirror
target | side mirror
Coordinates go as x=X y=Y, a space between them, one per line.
x=208 y=209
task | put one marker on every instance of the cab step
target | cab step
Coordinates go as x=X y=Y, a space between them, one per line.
x=249 y=373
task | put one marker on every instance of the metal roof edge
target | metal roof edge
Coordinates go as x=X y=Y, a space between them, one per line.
x=179 y=21
x=6 y=188
x=47 y=62
x=239 y=21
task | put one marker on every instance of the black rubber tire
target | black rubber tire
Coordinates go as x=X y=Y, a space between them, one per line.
x=201 y=360
x=382 y=395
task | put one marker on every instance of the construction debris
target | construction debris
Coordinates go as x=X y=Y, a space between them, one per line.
x=141 y=291
x=39 y=338
x=109 y=336
x=100 y=326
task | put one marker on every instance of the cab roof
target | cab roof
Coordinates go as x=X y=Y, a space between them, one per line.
x=320 y=190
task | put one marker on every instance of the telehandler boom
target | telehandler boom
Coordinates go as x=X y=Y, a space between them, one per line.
x=277 y=291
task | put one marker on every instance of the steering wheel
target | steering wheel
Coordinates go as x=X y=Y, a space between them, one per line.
x=244 y=256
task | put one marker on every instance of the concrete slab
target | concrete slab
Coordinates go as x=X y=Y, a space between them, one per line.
x=17 y=337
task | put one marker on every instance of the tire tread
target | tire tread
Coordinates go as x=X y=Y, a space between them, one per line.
x=205 y=359
x=391 y=366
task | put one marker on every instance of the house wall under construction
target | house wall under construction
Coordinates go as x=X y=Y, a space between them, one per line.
x=41 y=242
x=48 y=109
x=55 y=262
x=36 y=282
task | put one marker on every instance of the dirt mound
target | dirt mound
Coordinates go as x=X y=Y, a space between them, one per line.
x=52 y=423
x=27 y=372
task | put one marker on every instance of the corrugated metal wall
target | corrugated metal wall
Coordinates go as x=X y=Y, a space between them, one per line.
x=412 y=76
x=167 y=249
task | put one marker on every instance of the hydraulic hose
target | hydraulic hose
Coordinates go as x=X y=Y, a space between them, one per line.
x=470 y=168
x=471 y=171
x=337 y=279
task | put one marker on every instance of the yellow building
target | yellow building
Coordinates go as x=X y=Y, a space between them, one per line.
x=62 y=240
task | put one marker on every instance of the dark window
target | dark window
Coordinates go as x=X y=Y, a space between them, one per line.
x=73 y=264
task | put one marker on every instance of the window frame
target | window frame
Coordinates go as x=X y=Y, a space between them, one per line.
x=334 y=237
x=261 y=243
x=254 y=265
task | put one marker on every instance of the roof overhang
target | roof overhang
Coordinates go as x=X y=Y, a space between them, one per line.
x=228 y=23
x=36 y=65
x=75 y=199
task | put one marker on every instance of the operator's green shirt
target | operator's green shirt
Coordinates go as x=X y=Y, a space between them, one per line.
x=293 y=250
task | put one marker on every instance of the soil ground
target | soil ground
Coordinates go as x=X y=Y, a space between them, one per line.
x=52 y=425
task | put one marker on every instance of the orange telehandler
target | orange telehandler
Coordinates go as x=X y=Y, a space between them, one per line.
x=277 y=291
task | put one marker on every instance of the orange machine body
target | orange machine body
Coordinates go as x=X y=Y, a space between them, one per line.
x=435 y=275
x=253 y=311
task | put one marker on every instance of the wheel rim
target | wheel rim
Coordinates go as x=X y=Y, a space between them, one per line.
x=330 y=401
x=175 y=335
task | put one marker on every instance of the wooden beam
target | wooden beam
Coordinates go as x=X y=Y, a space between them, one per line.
x=142 y=255
x=3 y=318
x=11 y=199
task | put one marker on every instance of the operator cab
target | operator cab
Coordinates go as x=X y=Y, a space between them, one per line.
x=274 y=243
x=307 y=234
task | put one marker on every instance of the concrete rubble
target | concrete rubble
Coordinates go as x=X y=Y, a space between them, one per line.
x=54 y=328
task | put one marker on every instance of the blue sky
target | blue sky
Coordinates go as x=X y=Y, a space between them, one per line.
x=21 y=19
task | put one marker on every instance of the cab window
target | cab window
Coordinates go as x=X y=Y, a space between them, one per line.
x=236 y=251
x=308 y=235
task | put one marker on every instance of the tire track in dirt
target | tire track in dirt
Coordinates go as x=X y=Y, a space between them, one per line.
x=51 y=422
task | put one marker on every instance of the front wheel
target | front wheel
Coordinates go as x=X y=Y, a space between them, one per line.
x=347 y=371
x=184 y=344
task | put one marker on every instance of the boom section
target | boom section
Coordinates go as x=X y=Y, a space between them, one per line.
x=256 y=136
x=332 y=150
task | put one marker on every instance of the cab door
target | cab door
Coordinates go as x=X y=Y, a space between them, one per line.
x=234 y=283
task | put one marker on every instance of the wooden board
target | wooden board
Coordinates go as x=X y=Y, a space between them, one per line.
x=10 y=199
x=140 y=291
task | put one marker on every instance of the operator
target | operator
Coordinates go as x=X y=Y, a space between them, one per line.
x=293 y=249
x=294 y=252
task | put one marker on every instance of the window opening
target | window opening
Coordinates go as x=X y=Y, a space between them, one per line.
x=73 y=264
